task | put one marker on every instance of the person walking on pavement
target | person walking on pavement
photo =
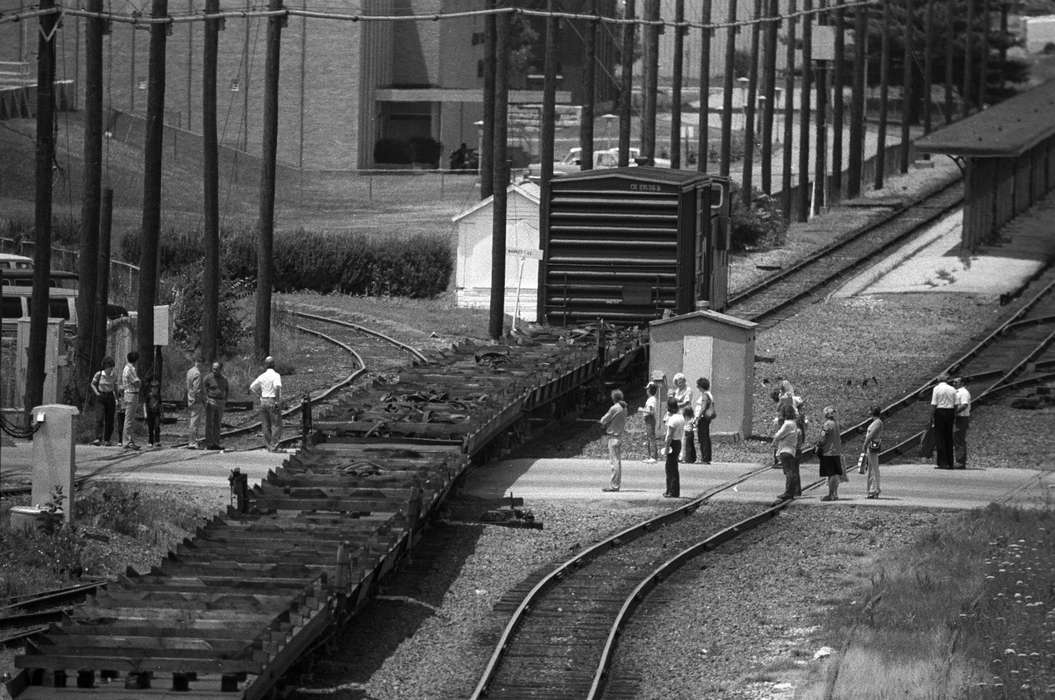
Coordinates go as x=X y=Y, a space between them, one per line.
x=268 y=386
x=130 y=385
x=873 y=444
x=195 y=403
x=785 y=446
x=961 y=422
x=650 y=412
x=104 y=386
x=829 y=449
x=705 y=413
x=675 y=433
x=216 y=390
x=943 y=399
x=614 y=422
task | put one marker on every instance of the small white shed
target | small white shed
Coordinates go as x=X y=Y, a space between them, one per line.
x=473 y=270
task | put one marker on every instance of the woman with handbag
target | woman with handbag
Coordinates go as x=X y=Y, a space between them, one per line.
x=873 y=444
x=829 y=447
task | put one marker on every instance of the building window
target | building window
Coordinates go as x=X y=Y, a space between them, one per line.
x=478 y=38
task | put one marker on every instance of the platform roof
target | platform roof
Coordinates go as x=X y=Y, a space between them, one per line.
x=1005 y=130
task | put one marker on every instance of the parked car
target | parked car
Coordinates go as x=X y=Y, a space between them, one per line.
x=603 y=158
x=17 y=296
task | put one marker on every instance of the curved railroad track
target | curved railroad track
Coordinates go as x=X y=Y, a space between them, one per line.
x=781 y=295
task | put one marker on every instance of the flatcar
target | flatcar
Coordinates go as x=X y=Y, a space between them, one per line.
x=630 y=245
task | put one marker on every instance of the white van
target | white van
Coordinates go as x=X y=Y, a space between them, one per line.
x=10 y=261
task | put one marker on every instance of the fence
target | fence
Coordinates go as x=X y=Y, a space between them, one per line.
x=124 y=278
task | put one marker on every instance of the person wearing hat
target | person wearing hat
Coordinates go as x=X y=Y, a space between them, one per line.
x=943 y=399
x=268 y=386
x=829 y=447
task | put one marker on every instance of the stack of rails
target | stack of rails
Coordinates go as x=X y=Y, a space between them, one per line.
x=228 y=612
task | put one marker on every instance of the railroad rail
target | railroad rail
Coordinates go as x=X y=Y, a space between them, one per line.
x=229 y=610
x=26 y=615
x=778 y=296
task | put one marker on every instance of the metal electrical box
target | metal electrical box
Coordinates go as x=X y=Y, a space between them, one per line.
x=631 y=245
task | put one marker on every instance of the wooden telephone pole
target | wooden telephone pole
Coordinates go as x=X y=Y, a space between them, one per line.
x=496 y=320
x=210 y=328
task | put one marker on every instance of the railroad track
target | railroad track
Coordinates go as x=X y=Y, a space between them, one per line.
x=562 y=633
x=26 y=615
x=781 y=295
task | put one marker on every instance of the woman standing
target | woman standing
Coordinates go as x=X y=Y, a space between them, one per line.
x=873 y=444
x=785 y=443
x=672 y=447
x=705 y=413
x=829 y=448
x=683 y=394
x=104 y=386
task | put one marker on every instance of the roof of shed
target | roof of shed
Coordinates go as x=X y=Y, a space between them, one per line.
x=1005 y=130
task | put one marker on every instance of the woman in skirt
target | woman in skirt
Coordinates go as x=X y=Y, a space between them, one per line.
x=829 y=450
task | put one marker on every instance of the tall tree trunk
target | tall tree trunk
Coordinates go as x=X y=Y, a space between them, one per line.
x=487 y=165
x=769 y=94
x=857 y=103
x=88 y=251
x=908 y=115
x=210 y=329
x=589 y=89
x=45 y=156
x=748 y=186
x=102 y=291
x=651 y=83
x=727 y=93
x=149 y=251
x=265 y=263
x=884 y=97
x=675 y=97
x=704 y=147
x=804 y=122
x=838 y=106
x=789 y=114
x=549 y=96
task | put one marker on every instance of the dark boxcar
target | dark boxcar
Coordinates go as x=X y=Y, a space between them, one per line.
x=629 y=244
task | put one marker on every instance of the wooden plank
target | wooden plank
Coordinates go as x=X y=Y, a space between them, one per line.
x=156 y=643
x=203 y=601
x=355 y=505
x=209 y=631
x=158 y=664
x=350 y=491
x=207 y=687
x=171 y=615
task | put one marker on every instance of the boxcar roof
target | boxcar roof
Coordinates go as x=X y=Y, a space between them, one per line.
x=1005 y=130
x=634 y=173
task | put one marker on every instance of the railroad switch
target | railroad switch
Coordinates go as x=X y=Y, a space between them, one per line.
x=510 y=515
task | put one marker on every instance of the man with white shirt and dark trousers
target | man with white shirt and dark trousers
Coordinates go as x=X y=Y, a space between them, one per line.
x=943 y=399
x=961 y=422
x=268 y=386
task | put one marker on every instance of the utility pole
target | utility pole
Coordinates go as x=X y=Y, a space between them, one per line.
x=804 y=122
x=88 y=250
x=928 y=68
x=747 y=176
x=501 y=178
x=589 y=90
x=675 y=106
x=983 y=63
x=265 y=263
x=727 y=98
x=821 y=157
x=789 y=113
x=627 y=88
x=210 y=329
x=151 y=230
x=838 y=106
x=190 y=69
x=968 y=59
x=245 y=86
x=950 y=43
x=907 y=116
x=884 y=97
x=45 y=156
x=703 y=138
x=769 y=94
x=487 y=165
x=857 y=103
x=651 y=83
x=102 y=270
x=549 y=99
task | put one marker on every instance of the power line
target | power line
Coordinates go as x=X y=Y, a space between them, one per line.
x=137 y=19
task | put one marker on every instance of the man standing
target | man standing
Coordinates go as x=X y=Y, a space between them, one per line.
x=216 y=389
x=961 y=422
x=943 y=399
x=130 y=385
x=614 y=423
x=268 y=386
x=195 y=403
x=672 y=447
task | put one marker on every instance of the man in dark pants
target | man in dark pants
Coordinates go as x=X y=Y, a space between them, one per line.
x=961 y=422
x=216 y=389
x=672 y=447
x=943 y=399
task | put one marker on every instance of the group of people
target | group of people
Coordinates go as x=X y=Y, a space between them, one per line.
x=951 y=402
x=688 y=418
x=789 y=439
x=118 y=403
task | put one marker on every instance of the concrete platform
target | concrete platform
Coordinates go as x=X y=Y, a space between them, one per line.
x=903 y=485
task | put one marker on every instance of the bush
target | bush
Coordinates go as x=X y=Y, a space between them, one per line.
x=184 y=292
x=178 y=248
x=416 y=267
x=426 y=150
x=393 y=151
x=760 y=224
x=110 y=506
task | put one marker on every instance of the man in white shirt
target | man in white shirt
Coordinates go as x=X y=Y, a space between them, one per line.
x=268 y=386
x=961 y=422
x=943 y=399
x=614 y=423
x=672 y=446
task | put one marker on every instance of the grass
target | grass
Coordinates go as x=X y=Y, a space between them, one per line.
x=964 y=612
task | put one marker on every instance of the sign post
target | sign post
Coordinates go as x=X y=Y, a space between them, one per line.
x=522 y=254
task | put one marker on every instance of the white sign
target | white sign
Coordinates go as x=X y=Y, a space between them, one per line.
x=162 y=325
x=534 y=253
x=823 y=43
